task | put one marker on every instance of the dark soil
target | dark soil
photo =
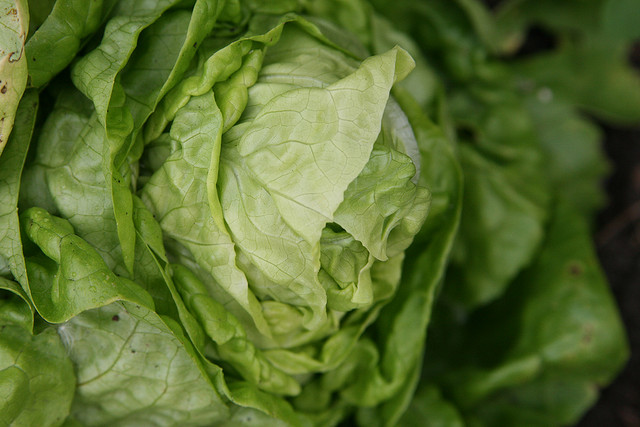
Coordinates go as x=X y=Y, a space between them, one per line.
x=618 y=245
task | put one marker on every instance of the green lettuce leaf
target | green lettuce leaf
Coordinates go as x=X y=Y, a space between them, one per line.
x=506 y=195
x=11 y=165
x=14 y=26
x=135 y=367
x=402 y=326
x=61 y=34
x=575 y=162
x=554 y=333
x=37 y=380
x=287 y=274
x=239 y=212
x=610 y=90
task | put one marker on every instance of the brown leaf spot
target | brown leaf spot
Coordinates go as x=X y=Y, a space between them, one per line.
x=575 y=269
x=588 y=334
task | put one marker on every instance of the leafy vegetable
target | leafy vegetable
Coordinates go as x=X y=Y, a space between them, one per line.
x=241 y=213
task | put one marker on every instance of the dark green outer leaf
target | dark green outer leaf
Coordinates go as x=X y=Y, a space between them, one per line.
x=430 y=409
x=538 y=354
x=610 y=90
x=506 y=194
x=575 y=161
x=615 y=20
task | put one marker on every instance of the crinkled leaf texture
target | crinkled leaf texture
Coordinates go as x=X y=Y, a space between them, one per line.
x=132 y=368
x=37 y=380
x=282 y=229
x=140 y=363
x=214 y=222
x=285 y=183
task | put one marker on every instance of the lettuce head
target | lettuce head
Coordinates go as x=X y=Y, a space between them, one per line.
x=240 y=212
x=214 y=214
